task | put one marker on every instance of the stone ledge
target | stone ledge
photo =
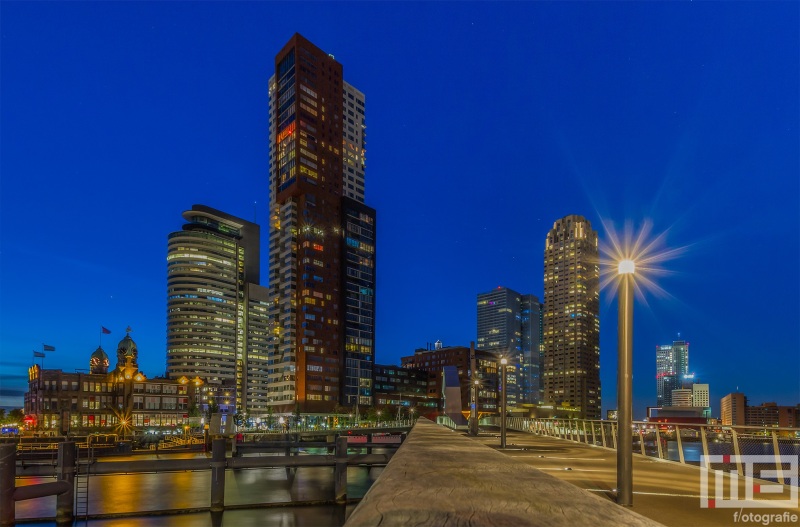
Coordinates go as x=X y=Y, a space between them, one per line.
x=438 y=477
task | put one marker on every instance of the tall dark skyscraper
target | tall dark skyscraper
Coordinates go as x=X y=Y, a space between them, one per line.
x=509 y=324
x=322 y=236
x=216 y=315
x=571 y=316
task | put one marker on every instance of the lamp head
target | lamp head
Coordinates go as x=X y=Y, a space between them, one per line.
x=504 y=361
x=626 y=267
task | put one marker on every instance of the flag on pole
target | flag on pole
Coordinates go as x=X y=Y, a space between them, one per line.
x=105 y=331
x=46 y=347
x=38 y=354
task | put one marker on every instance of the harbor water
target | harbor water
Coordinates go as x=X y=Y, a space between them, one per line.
x=177 y=498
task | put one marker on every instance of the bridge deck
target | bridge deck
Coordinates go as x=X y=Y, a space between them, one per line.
x=439 y=477
x=665 y=491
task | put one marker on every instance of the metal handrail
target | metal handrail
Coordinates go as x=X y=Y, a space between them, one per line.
x=684 y=443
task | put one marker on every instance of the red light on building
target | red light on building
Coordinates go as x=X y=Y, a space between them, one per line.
x=286 y=132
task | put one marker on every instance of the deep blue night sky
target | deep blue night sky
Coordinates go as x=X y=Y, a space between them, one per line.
x=486 y=122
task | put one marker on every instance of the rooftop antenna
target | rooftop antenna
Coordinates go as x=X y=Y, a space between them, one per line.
x=255 y=212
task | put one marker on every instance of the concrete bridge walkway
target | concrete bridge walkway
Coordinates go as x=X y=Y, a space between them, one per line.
x=442 y=478
x=665 y=491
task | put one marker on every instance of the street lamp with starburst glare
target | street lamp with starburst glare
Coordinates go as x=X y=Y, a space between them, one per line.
x=633 y=262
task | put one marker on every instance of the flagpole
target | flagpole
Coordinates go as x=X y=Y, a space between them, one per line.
x=103 y=330
x=41 y=368
x=46 y=347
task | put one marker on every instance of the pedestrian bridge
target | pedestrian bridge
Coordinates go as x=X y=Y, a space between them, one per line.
x=441 y=477
x=554 y=476
x=551 y=473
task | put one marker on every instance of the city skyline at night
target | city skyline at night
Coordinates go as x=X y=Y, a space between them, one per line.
x=119 y=117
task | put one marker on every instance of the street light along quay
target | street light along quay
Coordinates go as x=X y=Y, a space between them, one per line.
x=626 y=269
x=634 y=259
x=503 y=364
x=474 y=408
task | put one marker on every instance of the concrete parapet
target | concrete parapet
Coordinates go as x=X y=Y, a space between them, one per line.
x=439 y=477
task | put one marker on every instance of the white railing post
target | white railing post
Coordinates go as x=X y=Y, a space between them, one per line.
x=704 y=439
x=658 y=442
x=641 y=441
x=777 y=453
x=736 y=451
x=680 y=444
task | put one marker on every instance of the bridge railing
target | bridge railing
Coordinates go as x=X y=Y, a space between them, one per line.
x=446 y=420
x=363 y=426
x=722 y=446
x=341 y=453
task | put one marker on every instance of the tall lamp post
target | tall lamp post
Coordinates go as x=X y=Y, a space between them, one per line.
x=474 y=408
x=473 y=368
x=624 y=384
x=503 y=364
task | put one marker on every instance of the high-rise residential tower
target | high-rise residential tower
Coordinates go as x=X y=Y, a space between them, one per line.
x=531 y=387
x=733 y=409
x=571 y=324
x=321 y=236
x=672 y=364
x=509 y=324
x=700 y=395
x=216 y=314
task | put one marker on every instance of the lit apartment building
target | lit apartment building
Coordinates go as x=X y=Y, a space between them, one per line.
x=321 y=237
x=217 y=313
x=700 y=395
x=735 y=411
x=509 y=325
x=487 y=369
x=571 y=324
x=672 y=363
x=682 y=397
x=771 y=415
x=404 y=387
x=732 y=409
